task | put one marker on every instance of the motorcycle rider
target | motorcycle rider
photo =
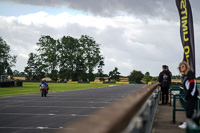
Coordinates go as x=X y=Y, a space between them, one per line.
x=44 y=84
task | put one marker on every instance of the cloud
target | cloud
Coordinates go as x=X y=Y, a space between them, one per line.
x=142 y=8
x=120 y=37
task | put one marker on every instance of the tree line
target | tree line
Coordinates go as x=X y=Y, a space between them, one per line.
x=65 y=58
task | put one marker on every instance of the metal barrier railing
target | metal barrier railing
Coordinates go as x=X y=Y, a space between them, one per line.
x=143 y=122
x=134 y=113
x=192 y=127
x=180 y=97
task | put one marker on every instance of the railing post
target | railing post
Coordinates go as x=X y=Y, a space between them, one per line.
x=174 y=108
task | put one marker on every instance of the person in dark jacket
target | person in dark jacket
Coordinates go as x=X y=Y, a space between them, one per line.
x=165 y=82
x=190 y=89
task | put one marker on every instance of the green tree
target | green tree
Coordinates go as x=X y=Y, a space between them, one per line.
x=35 y=69
x=80 y=70
x=49 y=55
x=6 y=60
x=136 y=76
x=68 y=49
x=16 y=72
x=9 y=71
x=100 y=70
x=147 y=77
x=114 y=74
x=19 y=74
x=90 y=52
x=68 y=57
x=78 y=58
x=155 y=78
x=30 y=70
x=54 y=75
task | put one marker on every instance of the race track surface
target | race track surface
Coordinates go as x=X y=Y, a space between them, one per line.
x=36 y=114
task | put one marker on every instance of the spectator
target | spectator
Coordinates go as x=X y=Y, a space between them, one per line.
x=165 y=82
x=190 y=90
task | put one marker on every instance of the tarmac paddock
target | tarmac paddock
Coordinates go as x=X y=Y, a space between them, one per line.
x=51 y=114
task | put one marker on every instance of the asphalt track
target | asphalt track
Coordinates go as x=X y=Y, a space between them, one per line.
x=36 y=114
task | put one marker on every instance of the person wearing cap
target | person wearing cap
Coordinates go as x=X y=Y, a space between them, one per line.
x=165 y=82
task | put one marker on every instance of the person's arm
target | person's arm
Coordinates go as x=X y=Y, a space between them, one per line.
x=160 y=78
x=191 y=79
x=47 y=84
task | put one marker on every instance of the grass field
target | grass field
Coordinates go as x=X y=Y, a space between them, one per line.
x=33 y=88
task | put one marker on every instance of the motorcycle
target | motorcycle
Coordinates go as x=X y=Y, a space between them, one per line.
x=43 y=90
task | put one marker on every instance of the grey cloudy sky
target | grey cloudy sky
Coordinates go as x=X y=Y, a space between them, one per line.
x=134 y=34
